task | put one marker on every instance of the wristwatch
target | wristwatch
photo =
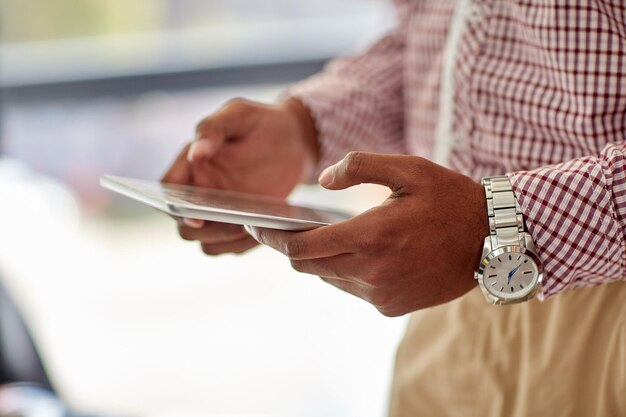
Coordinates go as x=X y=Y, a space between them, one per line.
x=510 y=271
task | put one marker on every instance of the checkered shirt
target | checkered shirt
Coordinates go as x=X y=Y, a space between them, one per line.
x=539 y=93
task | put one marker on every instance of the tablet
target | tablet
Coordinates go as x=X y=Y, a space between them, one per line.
x=223 y=206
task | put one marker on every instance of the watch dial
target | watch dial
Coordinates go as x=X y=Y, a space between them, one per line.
x=510 y=275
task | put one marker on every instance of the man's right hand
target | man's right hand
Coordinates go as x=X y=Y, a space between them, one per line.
x=247 y=147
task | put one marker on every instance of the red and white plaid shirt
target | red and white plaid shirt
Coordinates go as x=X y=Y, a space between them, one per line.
x=539 y=92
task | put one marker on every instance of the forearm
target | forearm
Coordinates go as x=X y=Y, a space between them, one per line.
x=576 y=214
x=357 y=102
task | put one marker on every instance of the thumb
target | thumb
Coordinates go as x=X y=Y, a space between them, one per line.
x=363 y=168
x=234 y=120
x=204 y=148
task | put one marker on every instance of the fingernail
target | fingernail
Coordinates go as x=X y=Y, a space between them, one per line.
x=202 y=148
x=194 y=223
x=326 y=177
x=191 y=151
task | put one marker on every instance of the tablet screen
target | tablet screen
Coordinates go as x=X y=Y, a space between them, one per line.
x=219 y=205
x=239 y=202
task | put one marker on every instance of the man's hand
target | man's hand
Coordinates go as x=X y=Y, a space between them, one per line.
x=416 y=250
x=247 y=147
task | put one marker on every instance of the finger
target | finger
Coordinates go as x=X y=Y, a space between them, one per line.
x=337 y=239
x=238 y=246
x=192 y=223
x=347 y=286
x=203 y=148
x=184 y=221
x=213 y=233
x=233 y=120
x=362 y=167
x=348 y=267
x=180 y=171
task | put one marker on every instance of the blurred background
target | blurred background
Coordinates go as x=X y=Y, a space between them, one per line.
x=127 y=318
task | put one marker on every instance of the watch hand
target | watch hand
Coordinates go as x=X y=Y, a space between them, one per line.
x=513 y=273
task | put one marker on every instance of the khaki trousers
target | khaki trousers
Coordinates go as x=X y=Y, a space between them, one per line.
x=563 y=357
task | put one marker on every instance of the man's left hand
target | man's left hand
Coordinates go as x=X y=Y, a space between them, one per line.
x=417 y=249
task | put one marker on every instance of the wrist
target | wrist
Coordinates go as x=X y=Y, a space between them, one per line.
x=307 y=132
x=482 y=221
x=510 y=271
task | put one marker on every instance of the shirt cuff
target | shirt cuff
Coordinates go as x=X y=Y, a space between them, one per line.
x=569 y=212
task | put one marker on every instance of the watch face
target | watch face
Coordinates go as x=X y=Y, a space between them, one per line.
x=510 y=275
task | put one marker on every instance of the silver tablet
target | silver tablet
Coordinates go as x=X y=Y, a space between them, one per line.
x=223 y=206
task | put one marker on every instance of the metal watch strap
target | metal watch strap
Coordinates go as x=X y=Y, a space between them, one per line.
x=506 y=223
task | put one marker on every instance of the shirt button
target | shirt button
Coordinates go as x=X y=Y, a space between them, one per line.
x=460 y=143
x=475 y=13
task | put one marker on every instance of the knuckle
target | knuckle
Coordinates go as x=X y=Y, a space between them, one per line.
x=208 y=250
x=415 y=166
x=245 y=248
x=354 y=163
x=384 y=239
x=185 y=233
x=381 y=236
x=383 y=302
x=389 y=311
x=326 y=280
x=294 y=248
x=238 y=104
x=371 y=241
x=236 y=101
x=207 y=126
x=298 y=265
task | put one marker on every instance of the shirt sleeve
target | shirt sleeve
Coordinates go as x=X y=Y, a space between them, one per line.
x=576 y=213
x=357 y=102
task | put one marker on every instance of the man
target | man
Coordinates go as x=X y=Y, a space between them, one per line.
x=531 y=92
